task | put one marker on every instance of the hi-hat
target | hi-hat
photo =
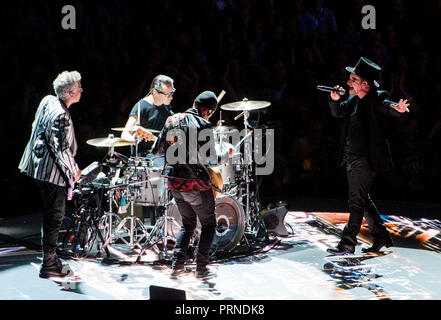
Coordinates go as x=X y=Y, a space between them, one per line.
x=150 y=130
x=245 y=105
x=109 y=142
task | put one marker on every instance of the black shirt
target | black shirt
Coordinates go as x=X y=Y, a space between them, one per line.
x=152 y=117
x=356 y=138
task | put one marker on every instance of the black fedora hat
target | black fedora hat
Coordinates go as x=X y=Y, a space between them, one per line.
x=366 y=69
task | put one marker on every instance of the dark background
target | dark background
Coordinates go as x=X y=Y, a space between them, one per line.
x=276 y=51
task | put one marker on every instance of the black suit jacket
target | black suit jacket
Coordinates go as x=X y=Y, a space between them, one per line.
x=378 y=109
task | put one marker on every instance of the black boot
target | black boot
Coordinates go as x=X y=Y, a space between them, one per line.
x=341 y=250
x=52 y=266
x=378 y=244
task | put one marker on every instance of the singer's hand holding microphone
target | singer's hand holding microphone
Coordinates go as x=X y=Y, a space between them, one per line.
x=335 y=95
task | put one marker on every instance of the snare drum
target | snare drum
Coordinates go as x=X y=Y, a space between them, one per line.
x=146 y=185
x=154 y=190
x=227 y=167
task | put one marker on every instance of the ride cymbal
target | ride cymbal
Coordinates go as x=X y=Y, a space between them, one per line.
x=245 y=105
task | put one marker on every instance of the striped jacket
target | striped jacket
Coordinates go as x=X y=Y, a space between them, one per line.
x=52 y=129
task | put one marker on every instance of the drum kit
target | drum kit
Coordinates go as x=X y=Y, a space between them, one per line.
x=138 y=181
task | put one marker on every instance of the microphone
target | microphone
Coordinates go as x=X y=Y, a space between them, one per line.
x=340 y=90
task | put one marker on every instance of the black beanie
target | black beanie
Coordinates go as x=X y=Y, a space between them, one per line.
x=206 y=99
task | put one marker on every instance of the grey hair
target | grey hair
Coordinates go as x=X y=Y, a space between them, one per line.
x=156 y=82
x=66 y=82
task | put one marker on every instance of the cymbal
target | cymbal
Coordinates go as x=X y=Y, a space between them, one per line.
x=122 y=129
x=109 y=142
x=245 y=105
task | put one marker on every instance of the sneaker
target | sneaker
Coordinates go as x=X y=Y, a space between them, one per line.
x=176 y=272
x=204 y=274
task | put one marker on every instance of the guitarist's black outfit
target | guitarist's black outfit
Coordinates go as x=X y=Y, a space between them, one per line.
x=191 y=188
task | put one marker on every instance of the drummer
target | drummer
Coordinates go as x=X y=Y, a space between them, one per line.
x=152 y=110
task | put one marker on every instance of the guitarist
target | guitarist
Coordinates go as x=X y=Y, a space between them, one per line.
x=190 y=184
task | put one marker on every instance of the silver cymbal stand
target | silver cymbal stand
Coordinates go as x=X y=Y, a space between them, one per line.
x=248 y=161
x=107 y=220
x=138 y=124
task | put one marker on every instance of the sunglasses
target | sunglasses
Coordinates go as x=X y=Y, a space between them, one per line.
x=167 y=94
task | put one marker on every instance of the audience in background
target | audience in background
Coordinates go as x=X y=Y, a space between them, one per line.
x=260 y=49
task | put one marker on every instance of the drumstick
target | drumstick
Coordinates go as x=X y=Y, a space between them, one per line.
x=115 y=179
x=241 y=141
x=219 y=98
x=221 y=95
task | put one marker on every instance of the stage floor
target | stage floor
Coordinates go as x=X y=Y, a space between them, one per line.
x=295 y=268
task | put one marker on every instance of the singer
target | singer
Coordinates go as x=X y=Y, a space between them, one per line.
x=364 y=150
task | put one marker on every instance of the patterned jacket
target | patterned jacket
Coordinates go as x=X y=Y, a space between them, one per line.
x=49 y=154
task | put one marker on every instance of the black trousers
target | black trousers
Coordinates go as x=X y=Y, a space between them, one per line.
x=54 y=209
x=191 y=205
x=360 y=178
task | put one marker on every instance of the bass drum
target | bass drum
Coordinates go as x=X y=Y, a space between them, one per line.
x=230 y=223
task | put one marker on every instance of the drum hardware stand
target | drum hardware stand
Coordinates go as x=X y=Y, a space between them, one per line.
x=132 y=218
x=110 y=216
x=93 y=225
x=158 y=233
x=138 y=124
x=247 y=159
x=247 y=175
x=134 y=222
x=254 y=224
x=107 y=219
